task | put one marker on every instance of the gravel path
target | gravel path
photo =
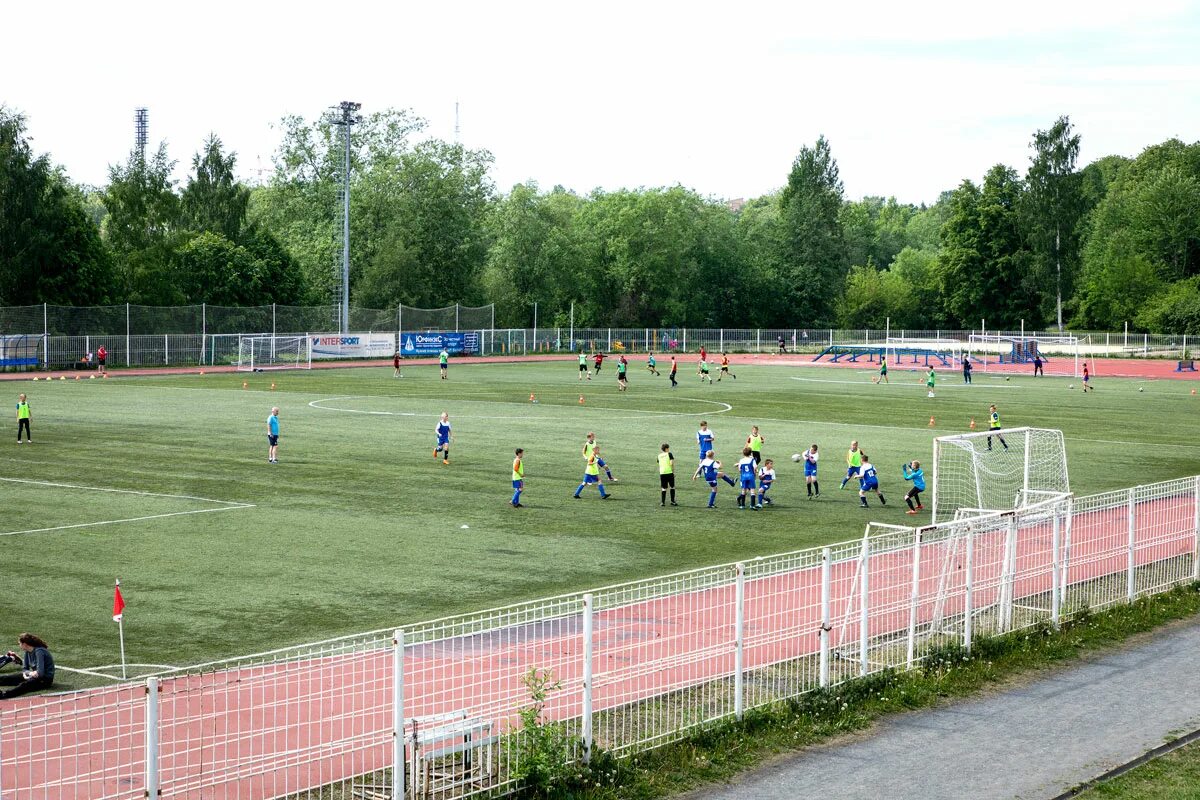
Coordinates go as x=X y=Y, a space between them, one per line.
x=1031 y=742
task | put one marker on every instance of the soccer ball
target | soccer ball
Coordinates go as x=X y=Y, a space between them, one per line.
x=1007 y=378
x=1070 y=386
x=795 y=456
x=875 y=379
x=1140 y=389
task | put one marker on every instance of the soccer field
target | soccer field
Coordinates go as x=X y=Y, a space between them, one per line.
x=164 y=483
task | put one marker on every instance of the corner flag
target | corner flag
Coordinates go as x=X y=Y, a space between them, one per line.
x=118 y=604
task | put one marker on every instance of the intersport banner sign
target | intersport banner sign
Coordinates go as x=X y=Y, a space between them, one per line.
x=352 y=345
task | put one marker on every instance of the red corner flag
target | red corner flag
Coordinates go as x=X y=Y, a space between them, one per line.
x=118 y=604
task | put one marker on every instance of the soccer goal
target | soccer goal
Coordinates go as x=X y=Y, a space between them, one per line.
x=256 y=353
x=943 y=352
x=1059 y=354
x=1001 y=470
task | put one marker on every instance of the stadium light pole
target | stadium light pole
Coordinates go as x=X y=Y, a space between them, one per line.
x=349 y=117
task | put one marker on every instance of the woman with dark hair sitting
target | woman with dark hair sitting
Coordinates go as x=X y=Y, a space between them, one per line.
x=37 y=667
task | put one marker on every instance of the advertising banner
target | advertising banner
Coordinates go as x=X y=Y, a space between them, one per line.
x=352 y=345
x=430 y=343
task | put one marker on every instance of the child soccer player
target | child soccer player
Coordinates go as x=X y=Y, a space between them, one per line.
x=518 y=478
x=622 y=374
x=853 y=462
x=746 y=470
x=651 y=366
x=591 y=474
x=725 y=368
x=396 y=365
x=930 y=380
x=705 y=437
x=443 y=362
x=913 y=472
x=994 y=427
x=1087 y=379
x=674 y=369
x=597 y=363
x=442 y=431
x=583 y=367
x=766 y=477
x=589 y=447
x=703 y=353
x=703 y=370
x=967 y=369
x=666 y=474
x=883 y=378
x=24 y=416
x=810 y=472
x=710 y=470
x=755 y=441
x=868 y=481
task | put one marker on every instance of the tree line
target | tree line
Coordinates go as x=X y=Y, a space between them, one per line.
x=1113 y=242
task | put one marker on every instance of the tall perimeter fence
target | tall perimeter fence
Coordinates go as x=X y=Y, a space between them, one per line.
x=430 y=710
x=180 y=336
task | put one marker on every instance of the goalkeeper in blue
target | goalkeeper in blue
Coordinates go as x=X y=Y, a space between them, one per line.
x=913 y=472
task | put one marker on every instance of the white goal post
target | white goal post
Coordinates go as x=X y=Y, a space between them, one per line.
x=991 y=471
x=921 y=349
x=1060 y=354
x=257 y=353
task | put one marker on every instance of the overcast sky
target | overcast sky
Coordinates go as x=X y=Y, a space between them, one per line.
x=718 y=97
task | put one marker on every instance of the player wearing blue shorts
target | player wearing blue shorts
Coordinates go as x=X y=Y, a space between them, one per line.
x=272 y=436
x=588 y=446
x=766 y=478
x=810 y=472
x=868 y=481
x=853 y=462
x=442 y=431
x=710 y=470
x=591 y=474
x=748 y=479
x=518 y=478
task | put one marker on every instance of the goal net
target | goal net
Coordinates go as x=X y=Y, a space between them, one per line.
x=256 y=353
x=1059 y=354
x=925 y=351
x=996 y=471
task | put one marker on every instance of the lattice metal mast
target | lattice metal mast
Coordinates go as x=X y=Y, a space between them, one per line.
x=349 y=117
x=141 y=131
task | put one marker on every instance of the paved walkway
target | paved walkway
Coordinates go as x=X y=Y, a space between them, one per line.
x=1031 y=742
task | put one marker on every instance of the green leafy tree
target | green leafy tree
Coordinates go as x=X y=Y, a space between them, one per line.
x=49 y=249
x=814 y=248
x=214 y=200
x=1054 y=204
x=918 y=269
x=142 y=228
x=212 y=269
x=1177 y=309
x=875 y=298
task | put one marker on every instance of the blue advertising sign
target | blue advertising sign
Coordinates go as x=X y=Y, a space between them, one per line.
x=432 y=343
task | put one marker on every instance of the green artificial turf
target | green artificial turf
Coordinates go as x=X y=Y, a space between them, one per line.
x=359 y=527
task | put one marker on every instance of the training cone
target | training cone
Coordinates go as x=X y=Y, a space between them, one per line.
x=76 y=377
x=35 y=378
x=272 y=387
x=201 y=372
x=972 y=423
x=243 y=384
x=62 y=377
x=580 y=399
x=91 y=377
x=931 y=422
x=532 y=399
x=1193 y=390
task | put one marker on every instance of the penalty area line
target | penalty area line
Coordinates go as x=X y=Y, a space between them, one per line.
x=54 y=485
x=232 y=507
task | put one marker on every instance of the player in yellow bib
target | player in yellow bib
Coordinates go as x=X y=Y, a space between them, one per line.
x=23 y=419
x=518 y=477
x=666 y=474
x=755 y=441
x=853 y=463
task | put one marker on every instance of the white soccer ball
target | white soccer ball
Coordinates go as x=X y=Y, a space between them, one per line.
x=1070 y=386
x=795 y=456
x=1140 y=389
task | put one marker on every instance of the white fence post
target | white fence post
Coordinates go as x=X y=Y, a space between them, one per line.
x=609 y=348
x=685 y=340
x=864 y=617
x=739 y=627
x=969 y=601
x=1008 y=574
x=1055 y=557
x=1196 y=526
x=203 y=330
x=722 y=347
x=914 y=598
x=1131 y=557
x=826 y=557
x=127 y=334
x=166 y=350
x=587 y=678
x=398 y=782
x=152 y=788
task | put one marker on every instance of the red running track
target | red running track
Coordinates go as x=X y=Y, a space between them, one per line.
x=262 y=732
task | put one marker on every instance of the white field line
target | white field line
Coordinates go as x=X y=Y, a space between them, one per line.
x=724 y=407
x=224 y=505
x=909 y=384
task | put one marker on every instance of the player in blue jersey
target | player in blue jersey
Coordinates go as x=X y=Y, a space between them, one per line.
x=588 y=446
x=442 y=431
x=868 y=481
x=710 y=470
x=811 y=457
x=914 y=473
x=766 y=478
x=747 y=467
x=705 y=438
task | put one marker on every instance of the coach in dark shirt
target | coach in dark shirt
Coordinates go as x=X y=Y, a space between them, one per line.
x=37 y=667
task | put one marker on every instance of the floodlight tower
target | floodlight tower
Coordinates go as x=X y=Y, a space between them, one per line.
x=349 y=117
x=141 y=131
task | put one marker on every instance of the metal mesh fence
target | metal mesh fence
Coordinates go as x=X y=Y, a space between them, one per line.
x=434 y=709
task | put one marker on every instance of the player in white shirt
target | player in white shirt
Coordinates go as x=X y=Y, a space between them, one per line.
x=766 y=477
x=810 y=472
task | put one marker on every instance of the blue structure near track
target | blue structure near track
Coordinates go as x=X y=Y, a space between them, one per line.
x=873 y=352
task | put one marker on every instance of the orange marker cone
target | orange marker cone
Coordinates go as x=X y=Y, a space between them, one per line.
x=201 y=372
x=580 y=399
x=531 y=397
x=272 y=387
x=76 y=377
x=972 y=423
x=243 y=384
x=931 y=422
x=1193 y=390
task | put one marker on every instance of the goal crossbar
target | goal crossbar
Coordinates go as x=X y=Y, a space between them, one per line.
x=997 y=470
